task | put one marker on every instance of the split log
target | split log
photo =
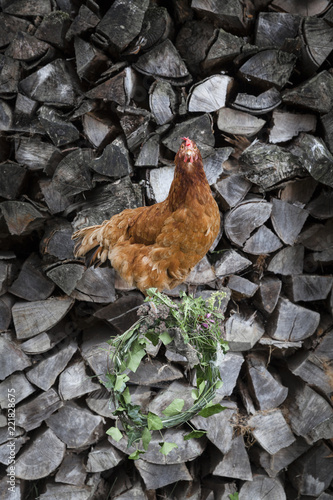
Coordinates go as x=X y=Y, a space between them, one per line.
x=12 y=180
x=165 y=62
x=232 y=189
x=267 y=391
x=120 y=26
x=52 y=85
x=44 y=373
x=115 y=161
x=241 y=287
x=118 y=88
x=76 y=427
x=245 y=218
x=318 y=237
x=74 y=382
x=321 y=207
x=22 y=386
x=307 y=288
x=154 y=373
x=21 y=217
x=315 y=94
x=228 y=16
x=269 y=67
x=229 y=368
x=156 y=476
x=235 y=463
x=234 y=122
x=268 y=294
x=6 y=303
x=30 y=415
x=309 y=414
x=327 y=123
x=300 y=190
x=312 y=369
x=35 y=461
x=100 y=402
x=60 y=131
x=312 y=473
x=103 y=456
x=260 y=487
x=307 y=9
x=231 y=263
x=287 y=125
x=243 y=332
x=219 y=428
x=292 y=322
x=262 y=242
x=288 y=261
x=210 y=94
x=72 y=174
x=162 y=102
x=31 y=318
x=13 y=359
x=57 y=240
x=273 y=464
x=85 y=20
x=72 y=470
x=37 y=154
x=66 y=276
x=45 y=341
x=273 y=28
x=268 y=165
x=31 y=284
x=97 y=130
x=263 y=103
x=149 y=153
x=96 y=285
x=318 y=37
x=95 y=349
x=287 y=220
x=224 y=49
x=261 y=427
x=202 y=273
x=160 y=180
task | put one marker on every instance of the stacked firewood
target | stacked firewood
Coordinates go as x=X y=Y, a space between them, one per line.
x=94 y=98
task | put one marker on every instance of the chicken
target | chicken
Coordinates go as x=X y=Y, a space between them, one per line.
x=158 y=246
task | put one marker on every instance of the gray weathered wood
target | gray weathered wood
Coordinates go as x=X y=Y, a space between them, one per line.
x=233 y=121
x=273 y=28
x=31 y=414
x=262 y=242
x=232 y=189
x=202 y=273
x=267 y=390
x=261 y=487
x=262 y=425
x=268 y=294
x=12 y=180
x=74 y=382
x=292 y=322
x=156 y=476
x=66 y=276
x=31 y=318
x=96 y=285
x=103 y=456
x=269 y=67
x=35 y=461
x=242 y=332
x=6 y=303
x=263 y=103
x=225 y=48
x=13 y=358
x=45 y=373
x=307 y=288
x=309 y=414
x=162 y=102
x=235 y=462
x=72 y=174
x=230 y=263
x=288 y=261
x=287 y=220
x=22 y=217
x=20 y=384
x=245 y=218
x=209 y=94
x=287 y=125
x=312 y=473
x=229 y=368
x=315 y=94
x=115 y=161
x=241 y=287
x=32 y=284
x=72 y=470
x=76 y=427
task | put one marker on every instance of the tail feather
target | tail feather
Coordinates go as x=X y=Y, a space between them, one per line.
x=90 y=244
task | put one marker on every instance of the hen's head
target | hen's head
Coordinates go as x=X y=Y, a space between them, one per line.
x=188 y=151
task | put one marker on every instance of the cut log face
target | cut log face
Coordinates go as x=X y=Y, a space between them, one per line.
x=13 y=358
x=262 y=425
x=259 y=68
x=245 y=218
x=235 y=463
x=287 y=220
x=156 y=476
x=288 y=261
x=315 y=94
x=210 y=94
x=307 y=288
x=35 y=461
x=260 y=487
x=274 y=27
x=103 y=457
x=287 y=125
x=234 y=122
x=242 y=333
x=231 y=262
x=292 y=322
x=30 y=415
x=232 y=189
x=263 y=103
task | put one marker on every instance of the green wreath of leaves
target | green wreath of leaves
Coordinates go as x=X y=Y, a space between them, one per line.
x=192 y=328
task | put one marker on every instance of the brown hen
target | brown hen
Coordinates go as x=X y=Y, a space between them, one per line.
x=157 y=246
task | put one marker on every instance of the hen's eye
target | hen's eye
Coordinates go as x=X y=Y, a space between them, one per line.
x=182 y=146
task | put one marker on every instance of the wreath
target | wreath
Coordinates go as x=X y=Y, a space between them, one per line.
x=193 y=327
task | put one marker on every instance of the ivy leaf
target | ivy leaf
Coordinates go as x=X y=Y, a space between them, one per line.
x=165 y=337
x=210 y=410
x=194 y=434
x=135 y=359
x=120 y=383
x=154 y=422
x=167 y=447
x=195 y=394
x=174 y=408
x=115 y=433
x=153 y=337
x=127 y=396
x=146 y=437
x=234 y=496
x=135 y=455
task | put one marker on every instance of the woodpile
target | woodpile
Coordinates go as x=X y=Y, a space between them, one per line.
x=94 y=97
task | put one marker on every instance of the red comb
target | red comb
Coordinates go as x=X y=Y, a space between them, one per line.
x=188 y=141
